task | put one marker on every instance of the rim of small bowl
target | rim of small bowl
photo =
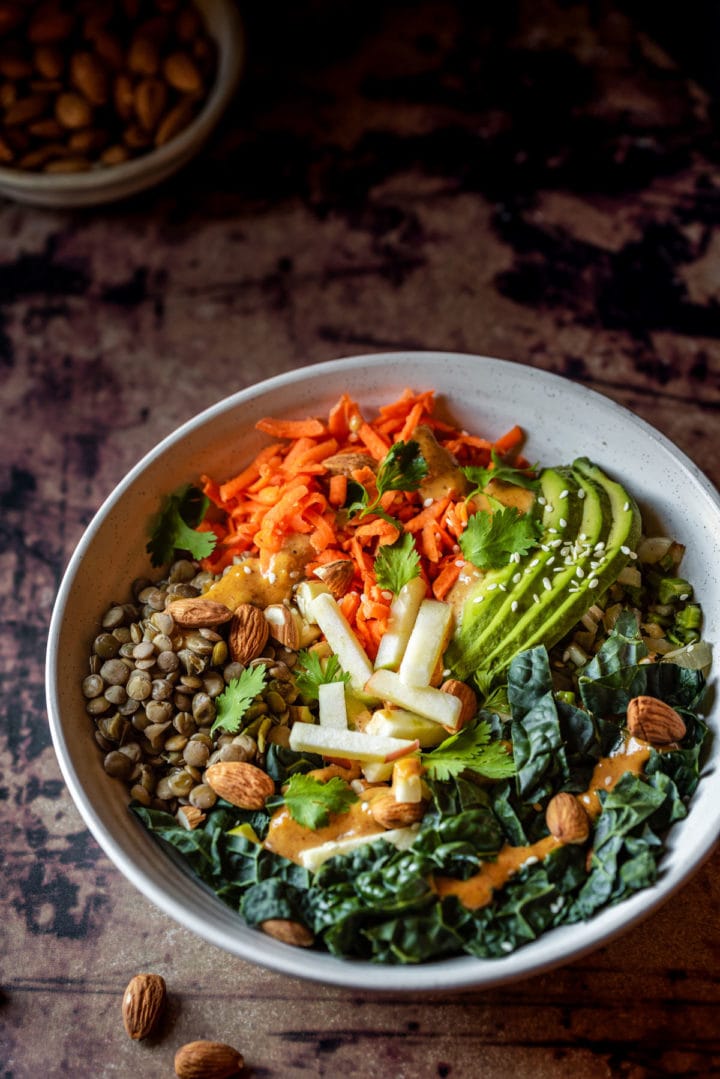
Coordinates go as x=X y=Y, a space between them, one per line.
x=551 y=949
x=225 y=26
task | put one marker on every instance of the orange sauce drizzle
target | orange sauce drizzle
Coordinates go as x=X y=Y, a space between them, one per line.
x=478 y=889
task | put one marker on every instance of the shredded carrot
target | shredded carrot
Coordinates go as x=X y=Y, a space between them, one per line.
x=337 y=492
x=445 y=579
x=375 y=443
x=509 y=441
x=288 y=491
x=291 y=428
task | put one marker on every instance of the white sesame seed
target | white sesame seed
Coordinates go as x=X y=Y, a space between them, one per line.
x=552 y=531
x=542 y=501
x=428 y=502
x=460 y=563
x=625 y=550
x=547 y=584
x=536 y=598
x=516 y=578
x=478 y=599
x=514 y=606
x=247 y=569
x=563 y=522
x=579 y=571
x=685 y=595
x=492 y=587
x=626 y=507
x=535 y=562
x=565 y=493
x=593 y=582
x=581 y=492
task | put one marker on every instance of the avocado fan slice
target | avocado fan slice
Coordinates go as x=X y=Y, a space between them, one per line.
x=609 y=533
x=501 y=594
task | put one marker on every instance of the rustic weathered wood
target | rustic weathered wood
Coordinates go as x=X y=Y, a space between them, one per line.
x=533 y=183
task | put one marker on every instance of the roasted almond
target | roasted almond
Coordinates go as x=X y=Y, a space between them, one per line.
x=207 y=1060
x=124 y=96
x=115 y=155
x=143 y=57
x=143 y=1004
x=195 y=611
x=283 y=625
x=50 y=25
x=174 y=122
x=88 y=75
x=344 y=464
x=465 y=695
x=15 y=67
x=49 y=61
x=243 y=785
x=25 y=109
x=149 y=102
x=73 y=111
x=46 y=129
x=249 y=632
x=181 y=71
x=108 y=49
x=566 y=819
x=67 y=164
x=190 y=817
x=337 y=575
x=654 y=721
x=288 y=932
x=10 y=16
x=391 y=814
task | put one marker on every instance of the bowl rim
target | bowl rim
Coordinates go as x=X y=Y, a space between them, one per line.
x=231 y=55
x=455 y=973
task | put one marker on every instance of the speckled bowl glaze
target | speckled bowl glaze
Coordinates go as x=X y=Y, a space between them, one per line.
x=564 y=420
x=102 y=185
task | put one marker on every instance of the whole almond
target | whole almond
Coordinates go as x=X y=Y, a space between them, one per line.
x=207 y=1060
x=143 y=1003
x=143 y=57
x=566 y=819
x=337 y=575
x=68 y=164
x=248 y=635
x=8 y=94
x=6 y=151
x=25 y=109
x=243 y=785
x=124 y=96
x=174 y=122
x=73 y=111
x=182 y=73
x=90 y=140
x=39 y=157
x=46 y=129
x=344 y=464
x=108 y=48
x=654 y=721
x=49 y=61
x=466 y=696
x=87 y=74
x=391 y=814
x=150 y=101
x=187 y=25
x=288 y=932
x=196 y=611
x=115 y=155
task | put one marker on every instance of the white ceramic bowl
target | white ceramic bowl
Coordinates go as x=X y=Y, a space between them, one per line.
x=108 y=184
x=564 y=421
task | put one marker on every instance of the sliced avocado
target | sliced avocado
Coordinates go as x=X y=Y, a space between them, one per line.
x=609 y=531
x=502 y=593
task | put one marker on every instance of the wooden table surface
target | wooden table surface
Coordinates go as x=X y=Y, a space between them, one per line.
x=541 y=183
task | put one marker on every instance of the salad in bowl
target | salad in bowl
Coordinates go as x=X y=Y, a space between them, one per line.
x=400 y=693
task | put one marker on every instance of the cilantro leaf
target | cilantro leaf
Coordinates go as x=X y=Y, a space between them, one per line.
x=310 y=802
x=490 y=538
x=479 y=478
x=403 y=468
x=311 y=673
x=174 y=527
x=397 y=563
x=234 y=702
x=470 y=748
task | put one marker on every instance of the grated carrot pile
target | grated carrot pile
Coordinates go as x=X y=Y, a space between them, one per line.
x=288 y=490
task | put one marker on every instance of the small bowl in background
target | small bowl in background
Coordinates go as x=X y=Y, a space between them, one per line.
x=108 y=183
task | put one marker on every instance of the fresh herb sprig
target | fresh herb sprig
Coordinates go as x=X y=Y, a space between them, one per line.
x=471 y=748
x=491 y=538
x=174 y=527
x=402 y=469
x=232 y=705
x=479 y=477
x=311 y=672
x=396 y=564
x=310 y=801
